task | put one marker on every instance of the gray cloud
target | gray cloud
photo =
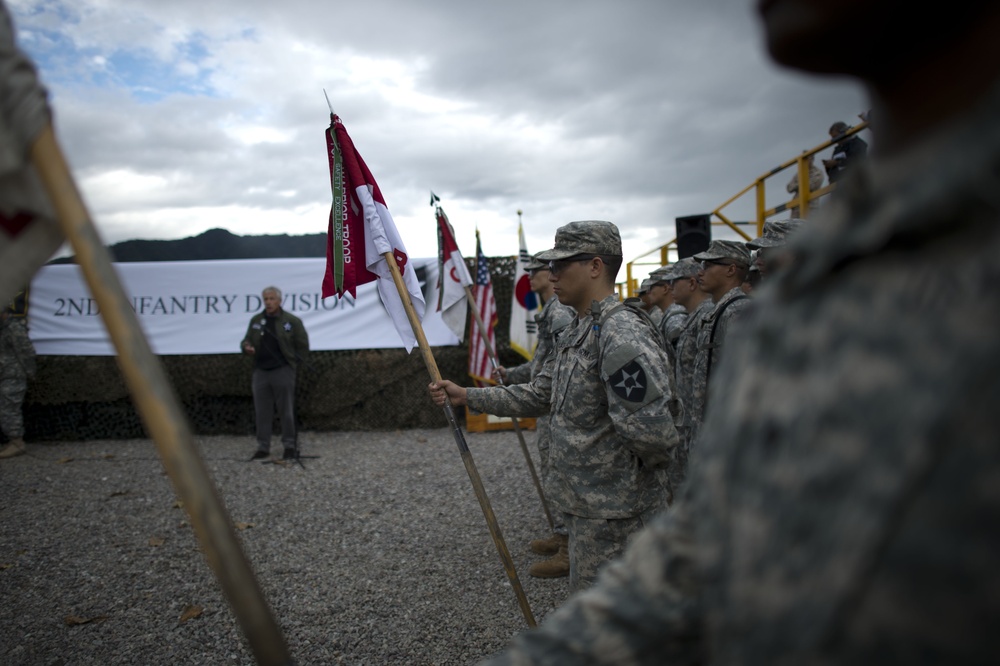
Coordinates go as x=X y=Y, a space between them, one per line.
x=183 y=116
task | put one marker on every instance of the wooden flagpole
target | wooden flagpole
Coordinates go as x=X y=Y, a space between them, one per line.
x=159 y=409
x=517 y=426
x=463 y=447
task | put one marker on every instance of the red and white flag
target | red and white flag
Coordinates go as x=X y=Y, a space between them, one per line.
x=360 y=232
x=480 y=363
x=453 y=278
x=29 y=234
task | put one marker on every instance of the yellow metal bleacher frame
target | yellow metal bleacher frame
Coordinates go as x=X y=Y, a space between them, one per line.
x=802 y=201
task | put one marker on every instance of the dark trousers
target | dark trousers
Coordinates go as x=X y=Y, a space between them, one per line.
x=274 y=388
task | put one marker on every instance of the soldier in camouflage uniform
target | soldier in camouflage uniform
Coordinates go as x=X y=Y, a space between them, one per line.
x=841 y=506
x=654 y=311
x=17 y=366
x=698 y=304
x=609 y=396
x=661 y=293
x=752 y=280
x=552 y=320
x=768 y=247
x=723 y=266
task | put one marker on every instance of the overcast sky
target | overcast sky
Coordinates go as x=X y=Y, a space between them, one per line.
x=183 y=116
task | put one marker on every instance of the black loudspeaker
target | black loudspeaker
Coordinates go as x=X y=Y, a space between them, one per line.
x=694 y=233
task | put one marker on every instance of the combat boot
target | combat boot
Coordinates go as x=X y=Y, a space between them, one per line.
x=549 y=545
x=14 y=448
x=556 y=566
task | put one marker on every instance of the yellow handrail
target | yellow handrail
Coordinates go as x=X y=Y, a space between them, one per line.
x=801 y=201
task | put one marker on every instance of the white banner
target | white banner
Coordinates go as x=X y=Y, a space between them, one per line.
x=204 y=307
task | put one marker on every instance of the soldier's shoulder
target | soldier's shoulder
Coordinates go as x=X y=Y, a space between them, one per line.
x=628 y=325
x=738 y=305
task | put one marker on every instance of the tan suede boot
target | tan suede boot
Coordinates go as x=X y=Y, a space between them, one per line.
x=14 y=448
x=556 y=566
x=549 y=545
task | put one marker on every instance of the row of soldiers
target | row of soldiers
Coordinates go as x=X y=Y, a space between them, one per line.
x=619 y=393
x=695 y=302
x=839 y=505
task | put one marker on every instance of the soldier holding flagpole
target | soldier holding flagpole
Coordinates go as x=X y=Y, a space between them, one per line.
x=609 y=396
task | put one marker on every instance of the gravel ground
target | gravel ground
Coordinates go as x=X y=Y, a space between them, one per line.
x=373 y=552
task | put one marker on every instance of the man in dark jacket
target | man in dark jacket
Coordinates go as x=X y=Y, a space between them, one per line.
x=279 y=344
x=847 y=150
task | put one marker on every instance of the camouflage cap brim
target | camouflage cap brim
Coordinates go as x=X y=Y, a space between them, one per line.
x=725 y=249
x=758 y=243
x=555 y=254
x=535 y=265
x=662 y=274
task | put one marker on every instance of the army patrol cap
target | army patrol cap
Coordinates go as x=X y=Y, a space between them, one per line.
x=584 y=237
x=683 y=268
x=534 y=264
x=775 y=233
x=644 y=286
x=662 y=274
x=725 y=249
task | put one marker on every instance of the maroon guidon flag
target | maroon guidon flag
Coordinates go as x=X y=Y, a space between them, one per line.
x=360 y=232
x=453 y=278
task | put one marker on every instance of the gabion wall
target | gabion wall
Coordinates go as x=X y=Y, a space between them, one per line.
x=84 y=397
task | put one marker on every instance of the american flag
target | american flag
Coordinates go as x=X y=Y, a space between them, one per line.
x=480 y=366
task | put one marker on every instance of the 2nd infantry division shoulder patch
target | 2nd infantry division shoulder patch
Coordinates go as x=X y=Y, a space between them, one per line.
x=630 y=382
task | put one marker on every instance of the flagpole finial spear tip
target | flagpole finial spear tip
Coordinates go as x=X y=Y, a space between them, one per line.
x=519 y=212
x=328 y=101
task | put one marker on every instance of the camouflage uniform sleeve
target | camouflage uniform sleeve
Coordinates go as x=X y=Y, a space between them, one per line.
x=674 y=326
x=641 y=401
x=531 y=399
x=729 y=318
x=520 y=374
x=643 y=610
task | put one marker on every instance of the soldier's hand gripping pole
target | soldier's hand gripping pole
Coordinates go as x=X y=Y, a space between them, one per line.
x=517 y=426
x=463 y=447
x=159 y=409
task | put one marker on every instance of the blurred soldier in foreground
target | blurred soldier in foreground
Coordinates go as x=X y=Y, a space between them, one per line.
x=17 y=366
x=841 y=504
x=552 y=320
x=611 y=405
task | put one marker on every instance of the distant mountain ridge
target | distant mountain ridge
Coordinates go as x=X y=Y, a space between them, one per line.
x=216 y=244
